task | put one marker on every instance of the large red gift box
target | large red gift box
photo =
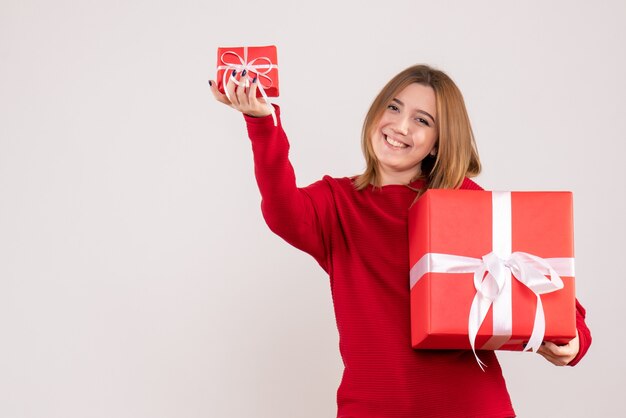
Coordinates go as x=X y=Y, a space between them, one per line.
x=258 y=61
x=463 y=246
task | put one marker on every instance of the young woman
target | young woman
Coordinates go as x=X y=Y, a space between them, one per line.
x=416 y=136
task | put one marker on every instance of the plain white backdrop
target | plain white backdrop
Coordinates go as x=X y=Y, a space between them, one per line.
x=137 y=277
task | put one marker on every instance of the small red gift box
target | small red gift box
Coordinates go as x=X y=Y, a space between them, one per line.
x=490 y=270
x=258 y=61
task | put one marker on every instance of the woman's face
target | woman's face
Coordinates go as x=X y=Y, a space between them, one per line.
x=405 y=134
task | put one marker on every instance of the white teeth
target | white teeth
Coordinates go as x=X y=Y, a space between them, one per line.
x=395 y=143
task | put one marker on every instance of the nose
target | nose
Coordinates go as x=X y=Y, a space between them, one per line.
x=401 y=126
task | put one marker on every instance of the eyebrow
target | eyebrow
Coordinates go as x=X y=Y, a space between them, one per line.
x=417 y=110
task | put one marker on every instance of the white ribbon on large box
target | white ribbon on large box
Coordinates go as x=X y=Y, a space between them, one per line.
x=494 y=289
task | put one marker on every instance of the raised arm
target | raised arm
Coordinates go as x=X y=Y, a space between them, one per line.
x=298 y=215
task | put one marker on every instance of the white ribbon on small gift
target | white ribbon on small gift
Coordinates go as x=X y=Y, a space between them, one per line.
x=494 y=289
x=262 y=71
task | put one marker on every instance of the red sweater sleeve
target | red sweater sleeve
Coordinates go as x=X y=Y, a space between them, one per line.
x=584 y=335
x=295 y=214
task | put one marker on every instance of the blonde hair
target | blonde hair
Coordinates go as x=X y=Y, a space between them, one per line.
x=457 y=155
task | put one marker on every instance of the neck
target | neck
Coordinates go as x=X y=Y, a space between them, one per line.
x=404 y=177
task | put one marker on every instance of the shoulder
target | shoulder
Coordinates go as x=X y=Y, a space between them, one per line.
x=325 y=184
x=331 y=185
x=333 y=182
x=469 y=185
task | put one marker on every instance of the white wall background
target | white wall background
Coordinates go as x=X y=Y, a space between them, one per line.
x=137 y=278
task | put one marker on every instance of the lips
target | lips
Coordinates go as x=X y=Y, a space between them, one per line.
x=394 y=142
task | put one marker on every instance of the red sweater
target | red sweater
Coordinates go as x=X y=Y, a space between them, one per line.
x=360 y=239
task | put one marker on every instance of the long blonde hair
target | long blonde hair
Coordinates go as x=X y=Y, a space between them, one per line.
x=457 y=155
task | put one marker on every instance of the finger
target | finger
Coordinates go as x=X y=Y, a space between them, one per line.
x=557 y=361
x=558 y=355
x=550 y=348
x=256 y=103
x=552 y=358
x=559 y=350
x=242 y=97
x=252 y=90
x=547 y=356
x=217 y=94
x=230 y=88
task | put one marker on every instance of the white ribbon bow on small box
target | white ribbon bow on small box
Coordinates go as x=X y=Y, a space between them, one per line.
x=262 y=66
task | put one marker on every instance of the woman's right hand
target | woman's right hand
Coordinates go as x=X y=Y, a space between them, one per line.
x=243 y=96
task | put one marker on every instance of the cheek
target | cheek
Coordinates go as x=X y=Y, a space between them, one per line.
x=429 y=138
x=375 y=135
x=384 y=120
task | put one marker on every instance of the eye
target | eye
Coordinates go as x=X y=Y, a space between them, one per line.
x=393 y=107
x=422 y=121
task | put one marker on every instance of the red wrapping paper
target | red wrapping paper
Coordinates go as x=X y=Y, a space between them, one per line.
x=259 y=61
x=459 y=222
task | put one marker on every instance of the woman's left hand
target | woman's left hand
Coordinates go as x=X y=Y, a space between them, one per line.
x=560 y=355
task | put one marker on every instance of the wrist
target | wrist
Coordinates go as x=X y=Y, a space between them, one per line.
x=257 y=114
x=254 y=117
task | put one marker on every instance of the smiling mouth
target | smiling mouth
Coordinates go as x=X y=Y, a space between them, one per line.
x=394 y=143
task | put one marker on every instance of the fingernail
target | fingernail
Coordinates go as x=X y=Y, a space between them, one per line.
x=254 y=81
x=210 y=83
x=243 y=73
x=234 y=73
